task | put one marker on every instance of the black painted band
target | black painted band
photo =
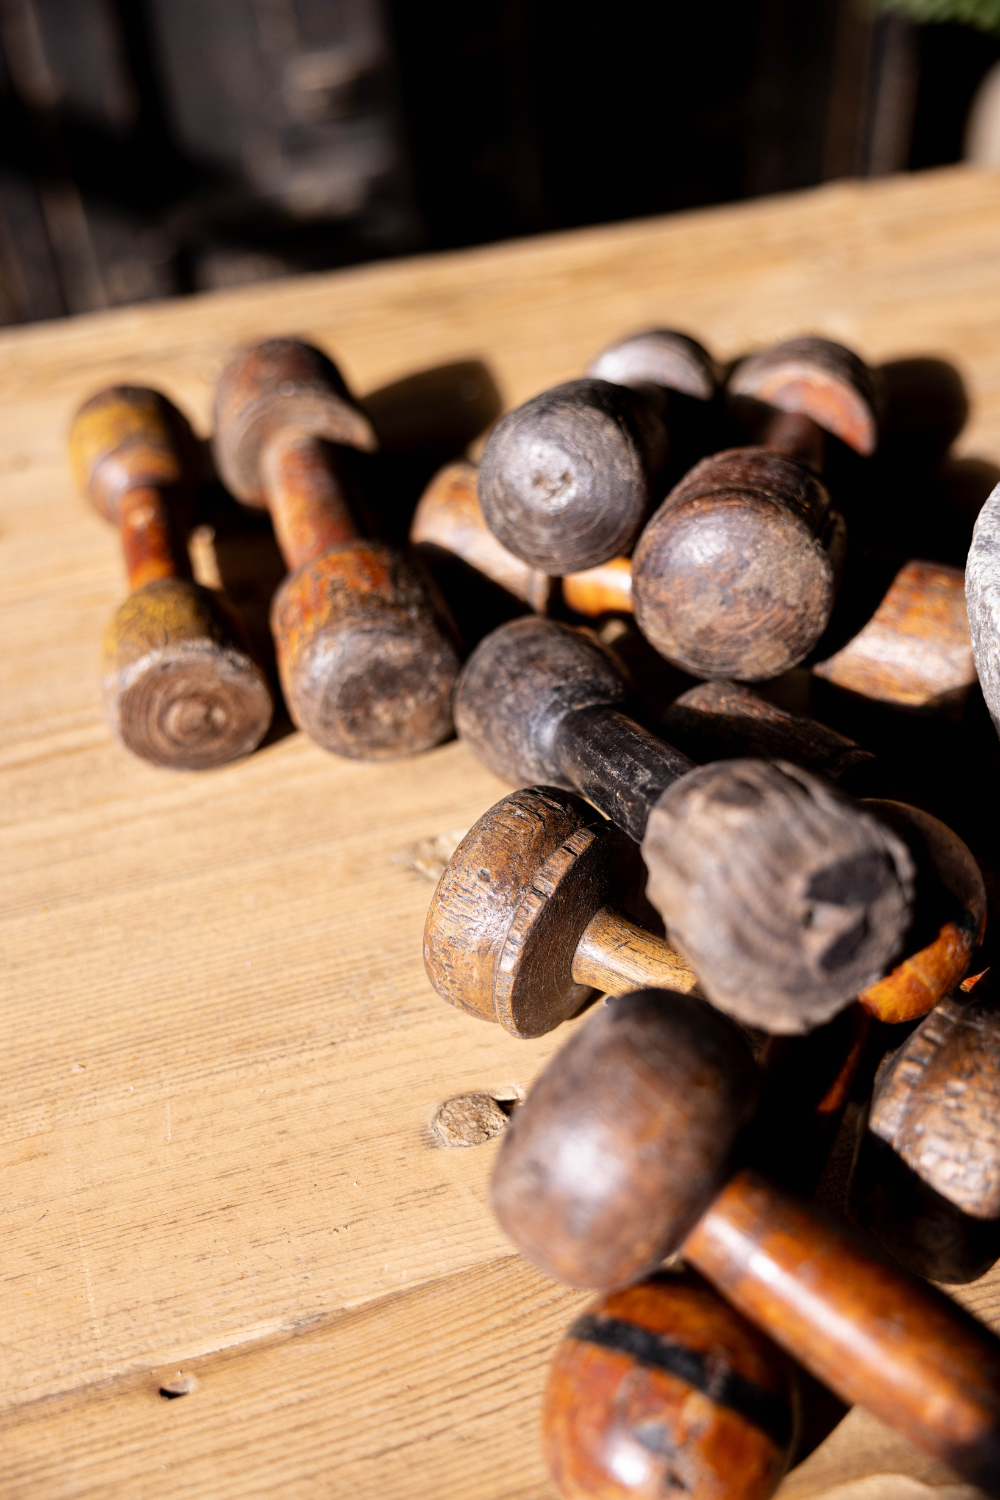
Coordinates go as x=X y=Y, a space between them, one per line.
x=772 y=1414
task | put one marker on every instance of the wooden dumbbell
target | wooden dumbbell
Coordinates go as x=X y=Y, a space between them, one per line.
x=180 y=686
x=366 y=659
x=624 y=1152
x=736 y=573
x=785 y=897
x=566 y=480
x=937 y=1102
x=664 y=1388
x=527 y=922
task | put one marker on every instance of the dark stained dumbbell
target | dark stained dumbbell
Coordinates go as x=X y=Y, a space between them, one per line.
x=566 y=480
x=526 y=921
x=736 y=573
x=663 y=1388
x=626 y=1150
x=720 y=720
x=785 y=897
x=366 y=660
x=181 y=688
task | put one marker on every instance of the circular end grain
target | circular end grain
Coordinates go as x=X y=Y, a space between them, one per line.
x=511 y=907
x=367 y=664
x=786 y=897
x=519 y=683
x=564 y=481
x=624 y=1139
x=736 y=573
x=179 y=688
x=128 y=437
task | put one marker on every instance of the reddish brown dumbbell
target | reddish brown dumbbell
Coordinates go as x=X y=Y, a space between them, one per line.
x=181 y=688
x=367 y=660
x=663 y=1388
x=624 y=1152
x=566 y=480
x=737 y=572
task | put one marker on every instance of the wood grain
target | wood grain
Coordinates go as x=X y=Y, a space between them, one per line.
x=165 y=1103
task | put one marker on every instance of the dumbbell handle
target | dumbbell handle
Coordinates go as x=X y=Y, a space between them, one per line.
x=875 y=1335
x=306 y=497
x=149 y=541
x=617 y=765
x=616 y=956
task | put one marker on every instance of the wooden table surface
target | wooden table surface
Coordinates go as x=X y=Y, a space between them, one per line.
x=220 y=1052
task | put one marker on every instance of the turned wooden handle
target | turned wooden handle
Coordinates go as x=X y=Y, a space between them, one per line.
x=306 y=497
x=875 y=1335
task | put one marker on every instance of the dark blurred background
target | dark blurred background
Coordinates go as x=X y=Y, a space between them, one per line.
x=155 y=147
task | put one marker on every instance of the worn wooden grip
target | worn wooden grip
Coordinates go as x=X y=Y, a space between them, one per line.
x=519 y=930
x=448 y=515
x=736 y=573
x=658 y=357
x=566 y=480
x=367 y=662
x=784 y=895
x=283 y=386
x=818 y=379
x=937 y=1104
x=664 y=1388
x=179 y=687
x=875 y=1335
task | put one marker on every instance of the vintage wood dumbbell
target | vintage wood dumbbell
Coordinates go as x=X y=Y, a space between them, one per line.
x=626 y=1150
x=736 y=573
x=366 y=657
x=937 y=1102
x=785 y=897
x=566 y=480
x=180 y=685
x=664 y=1388
x=527 y=921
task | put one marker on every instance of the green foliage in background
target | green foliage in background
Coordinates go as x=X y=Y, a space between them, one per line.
x=982 y=13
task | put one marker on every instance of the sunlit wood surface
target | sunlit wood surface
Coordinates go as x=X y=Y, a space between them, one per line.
x=219 y=1051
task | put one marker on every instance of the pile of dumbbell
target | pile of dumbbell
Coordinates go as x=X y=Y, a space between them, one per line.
x=770 y=948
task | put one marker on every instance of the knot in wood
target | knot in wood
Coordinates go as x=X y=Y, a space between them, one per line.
x=518 y=685
x=468 y=1120
x=784 y=895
